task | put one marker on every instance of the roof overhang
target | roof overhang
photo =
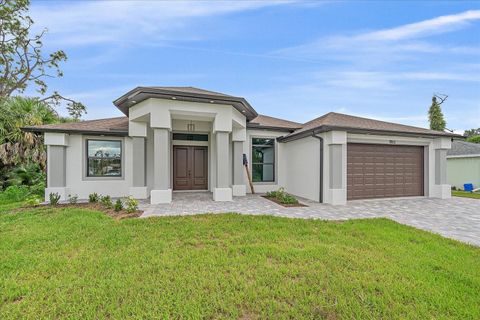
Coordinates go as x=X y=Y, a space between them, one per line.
x=270 y=128
x=322 y=129
x=142 y=93
x=119 y=133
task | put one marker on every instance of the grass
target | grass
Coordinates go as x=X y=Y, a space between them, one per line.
x=80 y=264
x=465 y=194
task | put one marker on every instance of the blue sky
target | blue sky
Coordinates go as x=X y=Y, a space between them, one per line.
x=295 y=60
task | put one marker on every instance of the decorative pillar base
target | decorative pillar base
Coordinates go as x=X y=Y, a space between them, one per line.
x=222 y=194
x=239 y=190
x=160 y=196
x=138 y=192
x=338 y=196
x=442 y=191
x=62 y=191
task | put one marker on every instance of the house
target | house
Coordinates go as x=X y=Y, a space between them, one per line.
x=175 y=139
x=463 y=163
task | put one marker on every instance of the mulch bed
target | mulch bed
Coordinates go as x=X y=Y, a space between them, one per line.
x=123 y=214
x=287 y=205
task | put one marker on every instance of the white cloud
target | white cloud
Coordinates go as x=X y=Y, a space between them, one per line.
x=387 y=45
x=424 y=28
x=91 y=22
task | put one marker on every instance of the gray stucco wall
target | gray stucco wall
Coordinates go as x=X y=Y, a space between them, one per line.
x=223 y=142
x=56 y=166
x=139 y=162
x=335 y=175
x=440 y=166
x=161 y=165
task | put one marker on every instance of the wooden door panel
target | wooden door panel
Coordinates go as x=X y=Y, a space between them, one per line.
x=200 y=172
x=181 y=163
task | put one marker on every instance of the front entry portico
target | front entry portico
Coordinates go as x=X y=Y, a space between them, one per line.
x=189 y=146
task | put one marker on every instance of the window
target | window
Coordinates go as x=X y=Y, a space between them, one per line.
x=104 y=158
x=190 y=137
x=263 y=159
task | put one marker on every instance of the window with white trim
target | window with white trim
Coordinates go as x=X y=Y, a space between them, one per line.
x=104 y=158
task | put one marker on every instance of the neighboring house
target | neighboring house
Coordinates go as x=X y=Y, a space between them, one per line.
x=184 y=138
x=463 y=163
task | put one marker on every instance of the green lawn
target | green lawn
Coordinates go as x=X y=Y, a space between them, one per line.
x=466 y=194
x=73 y=263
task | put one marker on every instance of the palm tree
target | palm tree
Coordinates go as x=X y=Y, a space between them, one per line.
x=16 y=146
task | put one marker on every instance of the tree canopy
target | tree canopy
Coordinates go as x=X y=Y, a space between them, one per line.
x=22 y=60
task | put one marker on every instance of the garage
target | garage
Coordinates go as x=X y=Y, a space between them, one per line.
x=384 y=171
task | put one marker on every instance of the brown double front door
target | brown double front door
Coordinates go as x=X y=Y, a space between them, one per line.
x=190 y=168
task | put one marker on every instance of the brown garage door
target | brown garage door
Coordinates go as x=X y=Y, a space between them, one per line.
x=380 y=171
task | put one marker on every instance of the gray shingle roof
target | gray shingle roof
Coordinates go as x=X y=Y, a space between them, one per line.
x=339 y=121
x=111 y=126
x=262 y=121
x=463 y=148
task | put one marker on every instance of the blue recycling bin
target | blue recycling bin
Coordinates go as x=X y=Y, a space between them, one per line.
x=468 y=187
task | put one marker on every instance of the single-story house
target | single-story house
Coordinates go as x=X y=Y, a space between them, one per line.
x=175 y=139
x=463 y=163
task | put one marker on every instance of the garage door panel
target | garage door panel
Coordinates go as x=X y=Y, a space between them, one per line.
x=377 y=171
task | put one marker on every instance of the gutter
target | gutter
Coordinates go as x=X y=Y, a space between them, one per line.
x=325 y=128
x=320 y=195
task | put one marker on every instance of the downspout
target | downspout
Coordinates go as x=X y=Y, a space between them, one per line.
x=320 y=196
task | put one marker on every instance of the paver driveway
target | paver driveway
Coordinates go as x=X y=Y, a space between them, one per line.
x=456 y=218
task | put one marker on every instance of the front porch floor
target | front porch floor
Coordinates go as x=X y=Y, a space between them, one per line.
x=456 y=218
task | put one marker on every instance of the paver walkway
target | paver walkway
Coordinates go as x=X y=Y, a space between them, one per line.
x=456 y=218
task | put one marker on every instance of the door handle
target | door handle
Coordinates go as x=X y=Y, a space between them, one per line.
x=189 y=173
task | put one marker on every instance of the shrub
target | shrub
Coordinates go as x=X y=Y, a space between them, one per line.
x=131 y=204
x=33 y=201
x=271 y=194
x=288 y=199
x=72 y=199
x=93 y=197
x=474 y=139
x=54 y=198
x=106 y=201
x=282 y=196
x=118 y=205
x=14 y=194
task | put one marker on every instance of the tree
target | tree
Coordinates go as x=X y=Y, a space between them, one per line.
x=22 y=61
x=435 y=115
x=474 y=139
x=471 y=132
x=20 y=149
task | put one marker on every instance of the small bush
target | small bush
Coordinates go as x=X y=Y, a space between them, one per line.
x=93 y=197
x=54 y=198
x=271 y=194
x=131 y=204
x=282 y=196
x=118 y=205
x=33 y=201
x=106 y=201
x=72 y=199
x=288 y=199
x=14 y=194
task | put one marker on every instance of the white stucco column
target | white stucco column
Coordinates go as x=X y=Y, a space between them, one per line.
x=222 y=191
x=440 y=188
x=335 y=156
x=56 y=164
x=239 y=136
x=161 y=192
